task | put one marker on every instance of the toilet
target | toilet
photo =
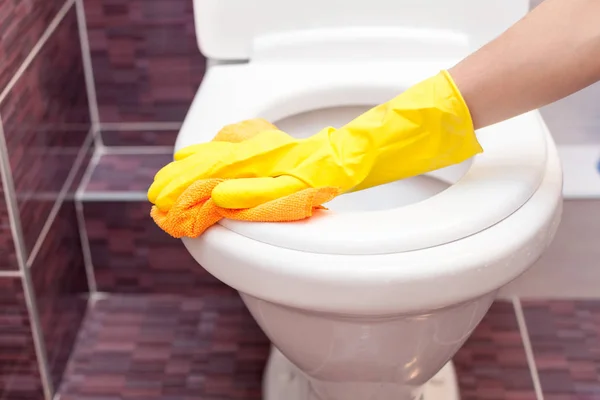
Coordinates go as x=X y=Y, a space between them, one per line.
x=370 y=299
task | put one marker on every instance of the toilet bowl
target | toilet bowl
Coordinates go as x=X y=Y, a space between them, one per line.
x=370 y=299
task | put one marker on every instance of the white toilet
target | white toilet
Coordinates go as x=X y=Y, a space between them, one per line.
x=371 y=299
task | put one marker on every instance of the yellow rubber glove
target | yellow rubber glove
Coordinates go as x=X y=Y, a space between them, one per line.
x=425 y=128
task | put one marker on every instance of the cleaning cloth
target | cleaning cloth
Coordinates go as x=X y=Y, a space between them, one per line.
x=194 y=211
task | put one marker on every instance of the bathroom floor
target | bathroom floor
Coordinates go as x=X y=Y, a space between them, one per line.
x=170 y=331
x=167 y=347
x=208 y=347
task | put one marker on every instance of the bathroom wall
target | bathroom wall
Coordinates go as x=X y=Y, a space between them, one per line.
x=91 y=99
x=45 y=145
x=145 y=60
x=146 y=68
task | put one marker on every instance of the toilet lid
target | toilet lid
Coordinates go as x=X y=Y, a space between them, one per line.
x=497 y=184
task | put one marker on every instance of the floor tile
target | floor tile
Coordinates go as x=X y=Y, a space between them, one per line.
x=60 y=285
x=492 y=364
x=148 y=347
x=565 y=337
x=208 y=347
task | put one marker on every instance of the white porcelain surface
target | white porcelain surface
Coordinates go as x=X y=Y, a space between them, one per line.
x=376 y=357
x=283 y=381
x=263 y=259
x=230 y=29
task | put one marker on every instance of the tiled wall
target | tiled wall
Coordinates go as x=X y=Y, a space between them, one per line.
x=45 y=146
x=66 y=66
x=146 y=62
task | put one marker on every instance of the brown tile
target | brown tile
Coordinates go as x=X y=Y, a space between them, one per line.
x=492 y=364
x=166 y=347
x=146 y=61
x=46 y=120
x=60 y=284
x=22 y=24
x=139 y=138
x=19 y=373
x=565 y=337
x=8 y=256
x=126 y=172
x=130 y=254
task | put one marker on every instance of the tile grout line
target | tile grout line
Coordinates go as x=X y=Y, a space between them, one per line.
x=60 y=15
x=37 y=334
x=102 y=295
x=11 y=274
x=60 y=199
x=26 y=282
x=528 y=349
x=138 y=150
x=115 y=196
x=140 y=126
x=85 y=249
x=87 y=176
x=83 y=236
x=129 y=196
x=88 y=71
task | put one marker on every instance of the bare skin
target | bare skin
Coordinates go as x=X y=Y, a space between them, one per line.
x=551 y=53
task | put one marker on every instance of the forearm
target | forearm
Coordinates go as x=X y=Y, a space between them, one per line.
x=551 y=53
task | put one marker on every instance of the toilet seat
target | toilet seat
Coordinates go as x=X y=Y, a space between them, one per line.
x=459 y=245
x=388 y=284
x=497 y=184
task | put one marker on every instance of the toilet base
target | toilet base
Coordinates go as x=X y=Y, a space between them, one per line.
x=283 y=381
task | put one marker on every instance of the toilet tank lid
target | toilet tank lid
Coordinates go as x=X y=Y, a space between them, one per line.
x=228 y=29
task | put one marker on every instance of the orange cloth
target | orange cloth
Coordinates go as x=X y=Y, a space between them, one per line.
x=194 y=211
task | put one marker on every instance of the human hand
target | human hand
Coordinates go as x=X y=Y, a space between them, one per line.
x=425 y=128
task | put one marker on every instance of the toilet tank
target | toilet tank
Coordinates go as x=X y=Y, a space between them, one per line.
x=230 y=29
